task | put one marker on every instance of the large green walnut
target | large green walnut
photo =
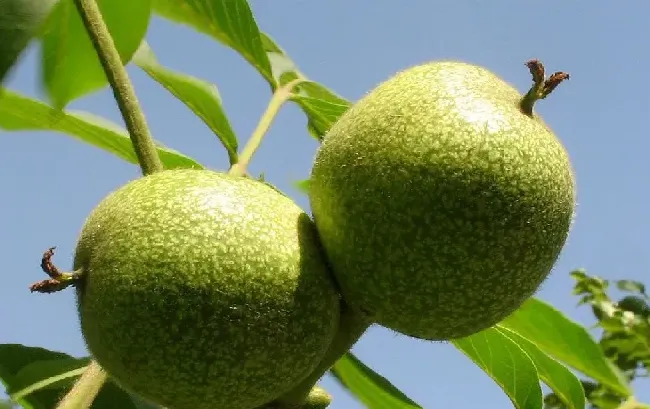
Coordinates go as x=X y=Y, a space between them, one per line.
x=203 y=290
x=441 y=203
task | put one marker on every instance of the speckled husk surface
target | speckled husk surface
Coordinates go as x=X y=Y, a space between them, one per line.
x=441 y=206
x=203 y=290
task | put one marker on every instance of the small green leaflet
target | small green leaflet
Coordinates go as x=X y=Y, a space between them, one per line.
x=372 y=389
x=507 y=364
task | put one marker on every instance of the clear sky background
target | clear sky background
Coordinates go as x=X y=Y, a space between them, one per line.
x=50 y=182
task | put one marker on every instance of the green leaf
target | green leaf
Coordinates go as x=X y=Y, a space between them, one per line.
x=142 y=404
x=322 y=106
x=635 y=304
x=200 y=96
x=302 y=185
x=70 y=66
x=19 y=23
x=631 y=286
x=322 y=112
x=560 y=379
x=568 y=342
x=372 y=389
x=46 y=374
x=507 y=364
x=13 y=358
x=21 y=365
x=230 y=22
x=585 y=284
x=112 y=396
x=20 y=113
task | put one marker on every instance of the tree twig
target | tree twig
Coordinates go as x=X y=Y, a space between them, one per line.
x=123 y=91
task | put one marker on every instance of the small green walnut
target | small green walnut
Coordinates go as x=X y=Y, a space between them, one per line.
x=442 y=200
x=201 y=290
x=636 y=305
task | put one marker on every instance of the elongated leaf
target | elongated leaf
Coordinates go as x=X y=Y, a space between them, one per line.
x=560 y=379
x=302 y=185
x=70 y=65
x=143 y=404
x=46 y=374
x=372 y=389
x=631 y=286
x=200 y=96
x=19 y=22
x=231 y=22
x=322 y=106
x=507 y=364
x=13 y=358
x=568 y=342
x=20 y=113
x=20 y=365
x=322 y=112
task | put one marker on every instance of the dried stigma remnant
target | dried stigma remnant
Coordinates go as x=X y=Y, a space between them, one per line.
x=542 y=86
x=58 y=281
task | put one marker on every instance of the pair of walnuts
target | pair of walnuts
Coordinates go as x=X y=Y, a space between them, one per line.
x=439 y=205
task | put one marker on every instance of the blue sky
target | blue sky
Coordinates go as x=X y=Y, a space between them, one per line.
x=51 y=182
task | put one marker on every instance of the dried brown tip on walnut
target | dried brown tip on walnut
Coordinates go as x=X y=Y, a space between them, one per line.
x=47 y=266
x=536 y=70
x=541 y=88
x=553 y=81
x=48 y=286
x=58 y=281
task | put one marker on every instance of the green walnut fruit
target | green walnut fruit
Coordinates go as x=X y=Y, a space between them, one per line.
x=203 y=290
x=636 y=305
x=441 y=200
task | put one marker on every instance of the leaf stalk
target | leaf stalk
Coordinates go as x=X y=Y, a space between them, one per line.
x=280 y=96
x=84 y=391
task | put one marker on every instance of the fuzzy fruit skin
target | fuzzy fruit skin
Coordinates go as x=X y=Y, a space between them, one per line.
x=441 y=206
x=203 y=290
